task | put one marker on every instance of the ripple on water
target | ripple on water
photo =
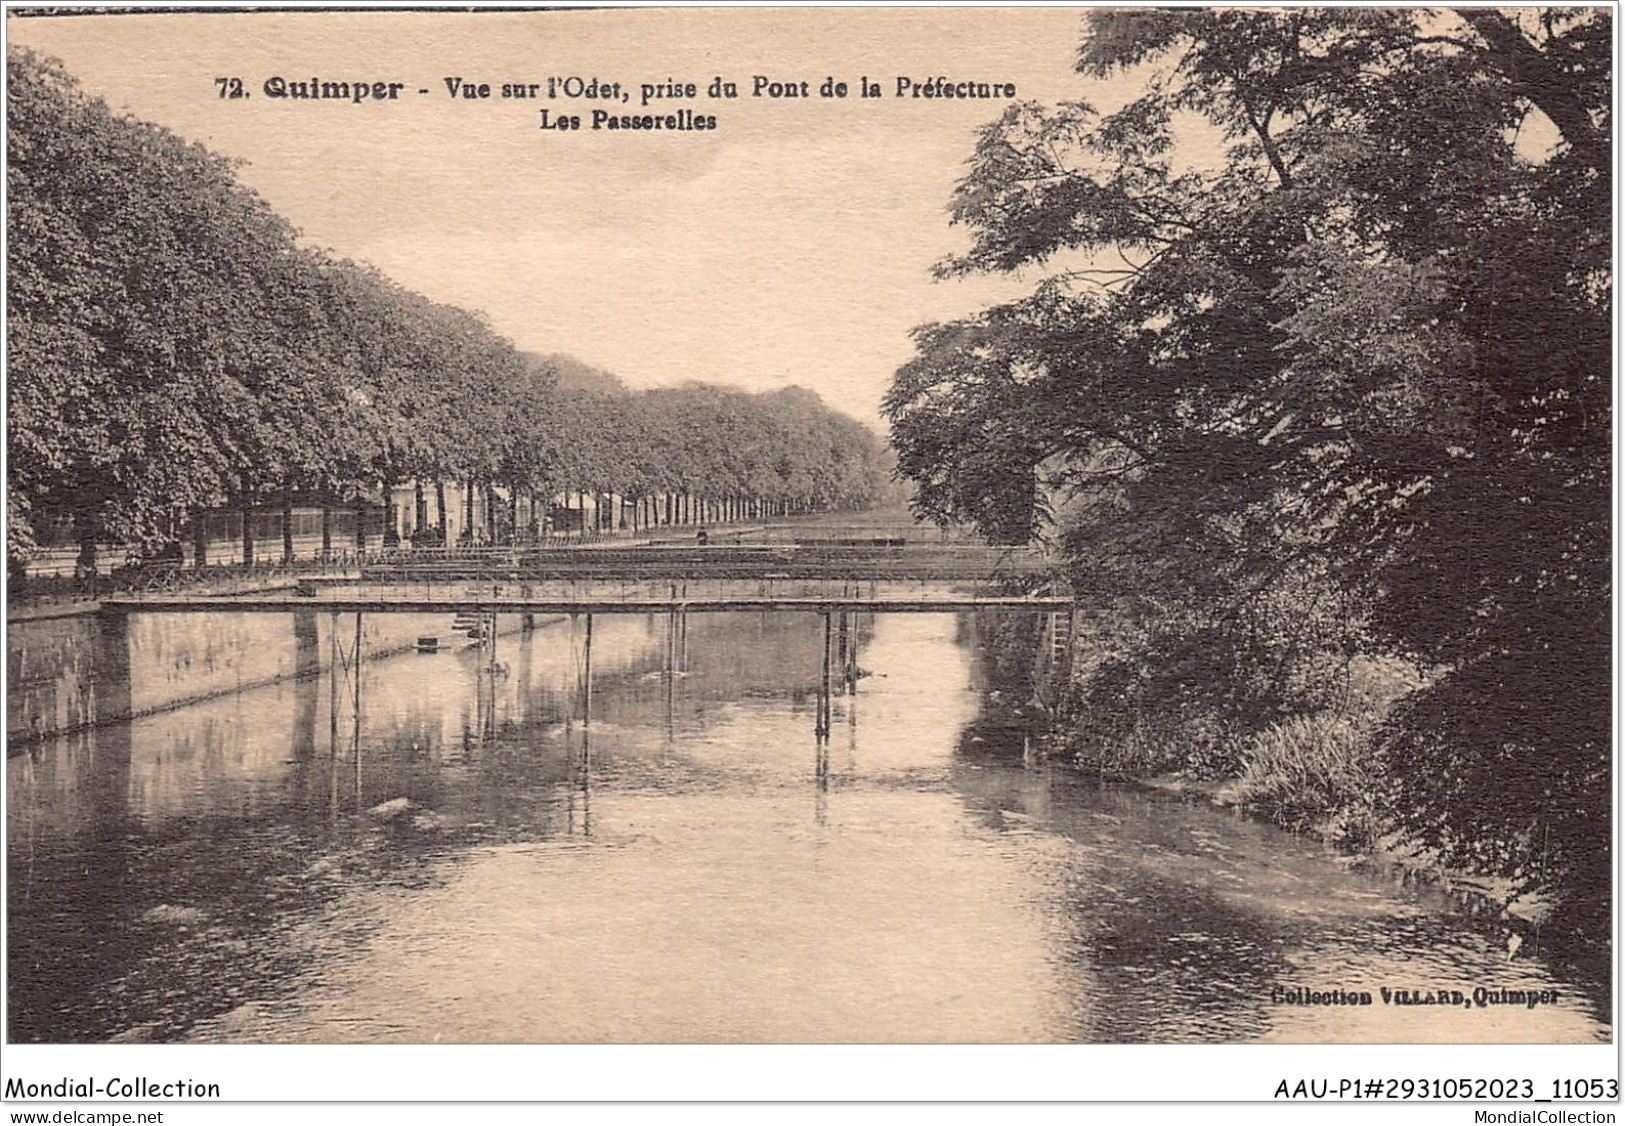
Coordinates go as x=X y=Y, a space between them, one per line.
x=688 y=867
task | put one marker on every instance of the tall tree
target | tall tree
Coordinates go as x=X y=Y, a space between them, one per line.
x=172 y=349
x=1363 y=345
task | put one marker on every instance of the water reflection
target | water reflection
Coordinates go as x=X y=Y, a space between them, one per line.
x=502 y=847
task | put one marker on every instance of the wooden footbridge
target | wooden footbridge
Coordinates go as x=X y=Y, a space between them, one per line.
x=889 y=576
x=496 y=603
x=835 y=579
x=854 y=561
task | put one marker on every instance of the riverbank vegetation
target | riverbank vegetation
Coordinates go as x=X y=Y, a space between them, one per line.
x=174 y=348
x=1314 y=392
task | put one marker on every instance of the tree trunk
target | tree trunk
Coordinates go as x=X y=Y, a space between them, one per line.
x=361 y=526
x=440 y=507
x=420 y=517
x=468 y=510
x=248 y=535
x=1534 y=75
x=287 y=525
x=85 y=566
x=392 y=527
x=200 y=540
x=327 y=531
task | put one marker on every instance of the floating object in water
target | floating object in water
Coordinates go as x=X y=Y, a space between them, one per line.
x=391 y=809
x=428 y=645
x=169 y=913
x=138 y=1034
x=1514 y=944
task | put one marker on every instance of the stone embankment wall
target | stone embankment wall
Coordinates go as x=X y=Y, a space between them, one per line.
x=68 y=673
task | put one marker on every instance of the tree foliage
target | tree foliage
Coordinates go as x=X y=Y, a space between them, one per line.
x=1319 y=360
x=174 y=349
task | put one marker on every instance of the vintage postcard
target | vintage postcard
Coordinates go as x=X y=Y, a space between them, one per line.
x=568 y=542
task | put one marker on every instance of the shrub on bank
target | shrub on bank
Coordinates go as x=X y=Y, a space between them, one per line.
x=1312 y=772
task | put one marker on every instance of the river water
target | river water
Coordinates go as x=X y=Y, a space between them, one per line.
x=480 y=858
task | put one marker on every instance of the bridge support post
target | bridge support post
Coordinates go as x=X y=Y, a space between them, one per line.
x=671 y=677
x=843 y=642
x=307 y=652
x=333 y=664
x=586 y=678
x=821 y=723
x=307 y=666
x=852 y=668
x=355 y=735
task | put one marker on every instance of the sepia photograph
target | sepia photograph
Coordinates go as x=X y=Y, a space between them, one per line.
x=685 y=527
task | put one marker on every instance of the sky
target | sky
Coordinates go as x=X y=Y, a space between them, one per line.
x=791 y=244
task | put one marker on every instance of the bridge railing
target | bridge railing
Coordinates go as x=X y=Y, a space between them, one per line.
x=716 y=578
x=853 y=556
x=914 y=575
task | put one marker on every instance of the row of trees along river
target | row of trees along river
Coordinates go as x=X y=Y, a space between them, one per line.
x=174 y=349
x=1321 y=414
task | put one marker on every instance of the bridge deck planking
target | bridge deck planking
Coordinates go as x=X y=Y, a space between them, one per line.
x=921 y=605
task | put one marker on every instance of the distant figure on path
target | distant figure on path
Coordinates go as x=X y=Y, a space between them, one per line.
x=703 y=537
